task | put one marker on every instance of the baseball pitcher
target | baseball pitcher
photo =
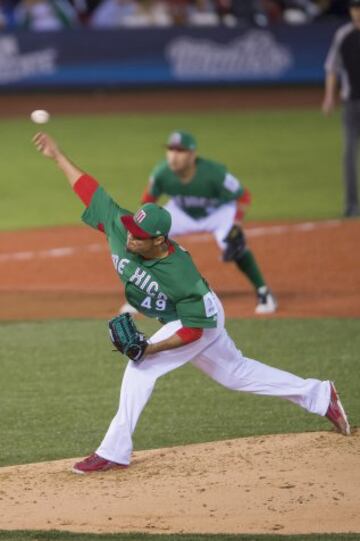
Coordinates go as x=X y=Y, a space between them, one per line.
x=161 y=281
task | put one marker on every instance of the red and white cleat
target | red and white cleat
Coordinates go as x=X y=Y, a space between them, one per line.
x=95 y=463
x=336 y=413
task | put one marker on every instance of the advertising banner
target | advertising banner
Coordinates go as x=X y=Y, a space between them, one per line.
x=172 y=57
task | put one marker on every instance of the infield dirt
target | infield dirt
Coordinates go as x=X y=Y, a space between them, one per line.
x=66 y=271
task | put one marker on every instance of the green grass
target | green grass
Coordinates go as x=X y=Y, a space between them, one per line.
x=66 y=536
x=290 y=160
x=60 y=380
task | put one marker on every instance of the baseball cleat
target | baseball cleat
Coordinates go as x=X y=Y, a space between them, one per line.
x=128 y=308
x=336 y=413
x=95 y=463
x=266 y=301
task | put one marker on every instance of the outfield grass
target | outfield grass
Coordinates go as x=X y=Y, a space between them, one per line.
x=289 y=159
x=66 y=536
x=60 y=382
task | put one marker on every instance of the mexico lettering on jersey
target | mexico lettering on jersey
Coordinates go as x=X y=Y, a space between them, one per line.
x=156 y=287
x=211 y=187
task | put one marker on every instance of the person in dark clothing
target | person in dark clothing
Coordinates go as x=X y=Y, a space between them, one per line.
x=343 y=62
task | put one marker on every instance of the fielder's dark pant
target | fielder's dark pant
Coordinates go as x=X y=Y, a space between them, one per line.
x=351 y=127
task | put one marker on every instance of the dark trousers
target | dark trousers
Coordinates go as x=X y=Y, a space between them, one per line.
x=351 y=127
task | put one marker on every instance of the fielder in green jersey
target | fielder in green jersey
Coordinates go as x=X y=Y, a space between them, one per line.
x=210 y=187
x=205 y=196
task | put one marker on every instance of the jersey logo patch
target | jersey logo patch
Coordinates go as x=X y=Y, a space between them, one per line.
x=231 y=183
x=210 y=304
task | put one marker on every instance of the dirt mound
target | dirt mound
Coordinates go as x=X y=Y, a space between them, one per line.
x=293 y=483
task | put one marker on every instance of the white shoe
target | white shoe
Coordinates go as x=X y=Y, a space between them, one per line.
x=128 y=308
x=266 y=301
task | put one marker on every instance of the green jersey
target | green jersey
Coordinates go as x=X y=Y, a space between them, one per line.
x=211 y=186
x=168 y=289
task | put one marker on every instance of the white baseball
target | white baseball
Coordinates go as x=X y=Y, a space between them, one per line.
x=40 y=116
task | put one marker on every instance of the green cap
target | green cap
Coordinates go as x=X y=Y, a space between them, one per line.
x=150 y=220
x=181 y=140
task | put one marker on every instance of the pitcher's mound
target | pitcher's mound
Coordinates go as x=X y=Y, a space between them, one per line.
x=293 y=483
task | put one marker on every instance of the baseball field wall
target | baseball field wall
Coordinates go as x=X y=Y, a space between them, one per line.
x=164 y=57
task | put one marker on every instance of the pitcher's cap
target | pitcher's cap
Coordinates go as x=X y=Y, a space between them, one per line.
x=149 y=220
x=181 y=140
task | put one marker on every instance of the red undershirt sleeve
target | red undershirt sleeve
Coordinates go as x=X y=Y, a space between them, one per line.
x=189 y=334
x=85 y=187
x=245 y=199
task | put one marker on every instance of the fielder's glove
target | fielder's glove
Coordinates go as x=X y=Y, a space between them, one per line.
x=235 y=244
x=126 y=337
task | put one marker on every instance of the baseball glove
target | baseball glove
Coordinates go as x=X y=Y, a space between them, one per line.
x=126 y=337
x=235 y=244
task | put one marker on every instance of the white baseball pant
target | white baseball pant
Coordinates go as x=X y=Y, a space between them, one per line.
x=218 y=223
x=217 y=356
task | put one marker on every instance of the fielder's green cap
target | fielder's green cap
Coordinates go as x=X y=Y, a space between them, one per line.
x=354 y=3
x=181 y=140
x=150 y=220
